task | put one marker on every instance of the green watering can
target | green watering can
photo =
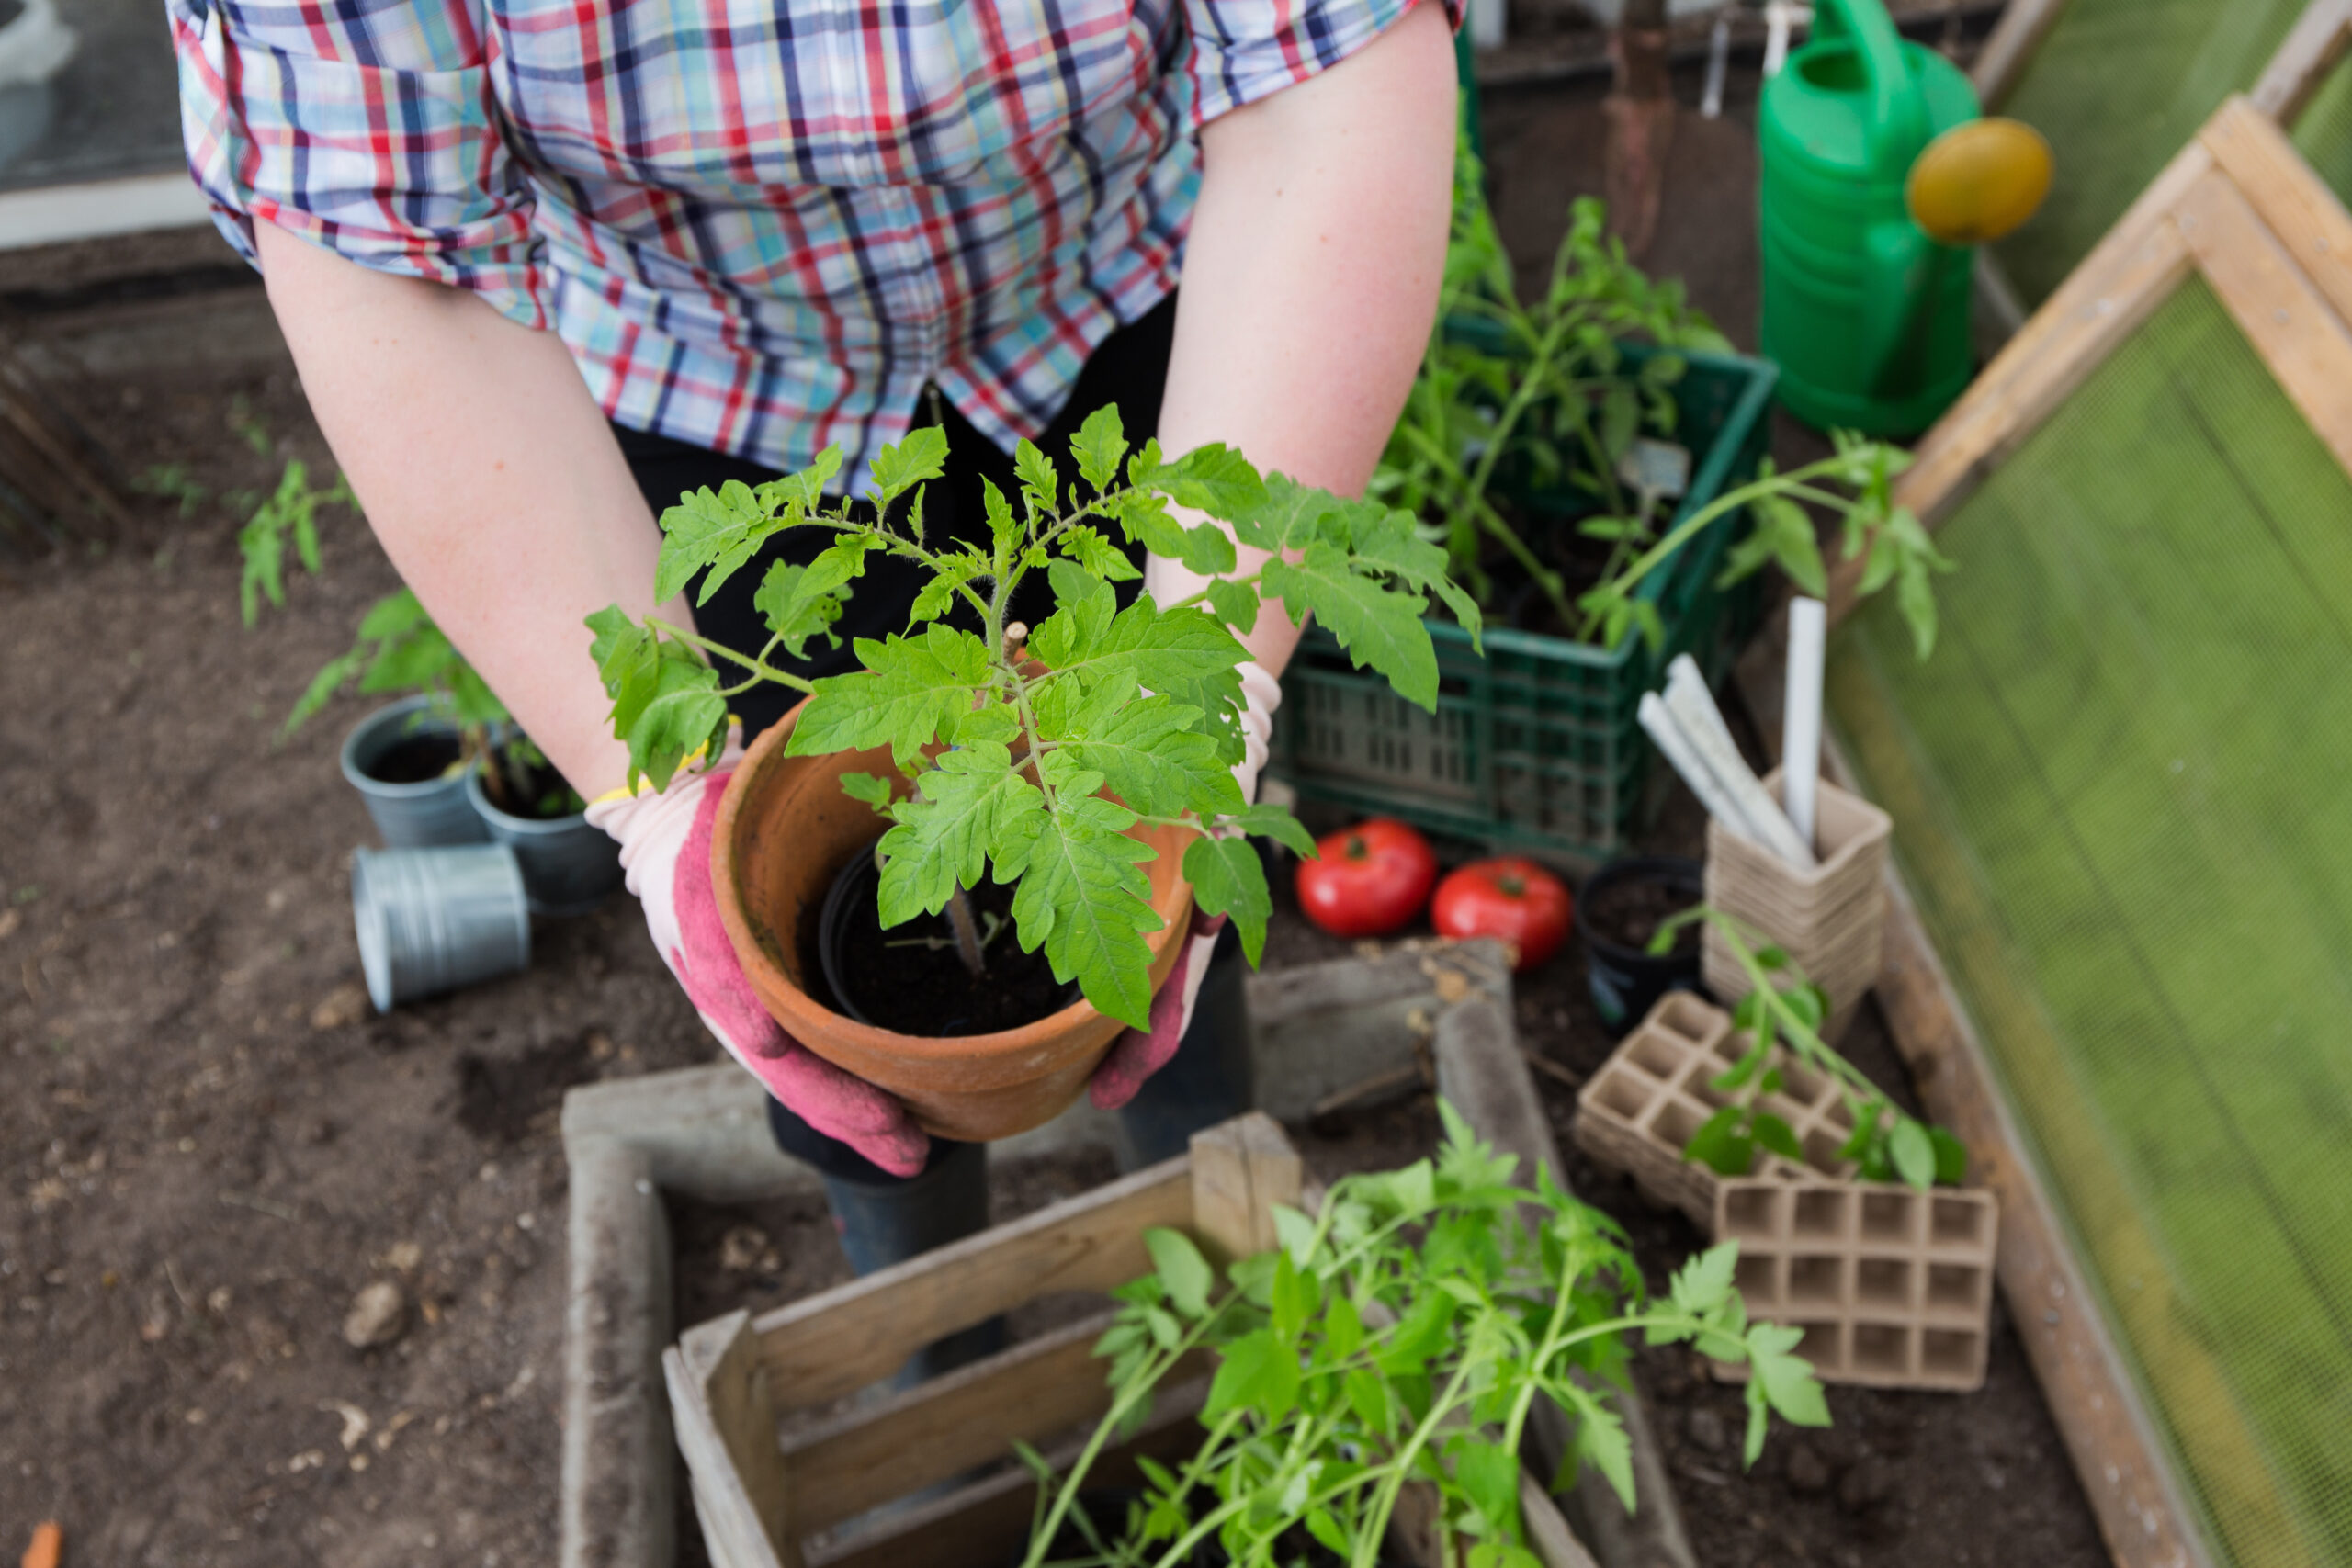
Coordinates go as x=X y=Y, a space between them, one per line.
x=1877 y=175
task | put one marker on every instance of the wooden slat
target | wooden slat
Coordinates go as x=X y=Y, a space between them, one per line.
x=2290 y=200
x=2123 y=279
x=2010 y=45
x=819 y=1349
x=984 y=1525
x=2097 y=1407
x=1033 y=1392
x=726 y=1429
x=1239 y=1169
x=2305 y=57
x=2290 y=324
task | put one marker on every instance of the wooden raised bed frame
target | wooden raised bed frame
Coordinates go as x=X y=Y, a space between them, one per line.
x=761 y=1499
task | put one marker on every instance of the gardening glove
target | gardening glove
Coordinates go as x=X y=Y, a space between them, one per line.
x=666 y=840
x=1139 y=1053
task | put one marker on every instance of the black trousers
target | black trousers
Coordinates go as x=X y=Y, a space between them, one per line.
x=1209 y=1080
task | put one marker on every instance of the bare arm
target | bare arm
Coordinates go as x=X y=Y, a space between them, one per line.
x=490 y=477
x=1311 y=276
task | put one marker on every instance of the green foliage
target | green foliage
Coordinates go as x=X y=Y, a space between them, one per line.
x=1035 y=759
x=1404 y=1333
x=1546 y=393
x=173 y=482
x=1780 y=1019
x=291 y=511
x=400 y=651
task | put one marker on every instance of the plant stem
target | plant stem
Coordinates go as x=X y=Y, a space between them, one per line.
x=968 y=932
x=705 y=645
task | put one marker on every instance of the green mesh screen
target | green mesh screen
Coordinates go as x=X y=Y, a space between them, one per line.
x=2118 y=86
x=2121 y=791
x=2325 y=133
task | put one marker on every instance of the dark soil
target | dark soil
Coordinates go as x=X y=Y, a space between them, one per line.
x=417 y=759
x=1629 y=913
x=911 y=978
x=537 y=792
x=210 y=1144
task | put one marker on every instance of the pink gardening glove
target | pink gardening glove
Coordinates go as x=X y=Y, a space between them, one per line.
x=1139 y=1053
x=665 y=848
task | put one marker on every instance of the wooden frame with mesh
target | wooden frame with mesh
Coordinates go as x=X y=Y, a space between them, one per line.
x=2240 y=208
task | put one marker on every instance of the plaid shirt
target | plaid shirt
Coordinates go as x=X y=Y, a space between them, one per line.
x=760 y=225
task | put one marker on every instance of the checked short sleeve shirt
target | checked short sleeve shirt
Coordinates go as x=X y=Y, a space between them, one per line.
x=761 y=225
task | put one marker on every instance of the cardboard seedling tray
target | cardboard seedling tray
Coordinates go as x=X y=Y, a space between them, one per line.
x=1638 y=1111
x=1831 y=919
x=1893 y=1288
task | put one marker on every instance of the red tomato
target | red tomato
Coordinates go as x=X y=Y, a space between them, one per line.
x=1513 y=900
x=1370 y=879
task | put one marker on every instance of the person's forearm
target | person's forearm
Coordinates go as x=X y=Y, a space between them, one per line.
x=490 y=476
x=1311 y=276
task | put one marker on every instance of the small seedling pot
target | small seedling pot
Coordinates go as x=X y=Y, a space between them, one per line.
x=1830 y=920
x=410 y=813
x=568 y=866
x=1627 y=981
x=785 y=831
x=436 y=920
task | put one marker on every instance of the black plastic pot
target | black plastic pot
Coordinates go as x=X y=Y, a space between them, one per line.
x=1626 y=982
x=862 y=879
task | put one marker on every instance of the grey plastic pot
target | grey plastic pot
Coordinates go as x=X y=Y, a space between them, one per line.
x=432 y=920
x=568 y=866
x=408 y=816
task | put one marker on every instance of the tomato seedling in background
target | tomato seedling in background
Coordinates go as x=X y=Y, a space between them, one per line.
x=1511 y=898
x=1368 y=880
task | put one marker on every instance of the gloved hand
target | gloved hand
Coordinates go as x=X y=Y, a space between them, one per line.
x=666 y=849
x=1139 y=1053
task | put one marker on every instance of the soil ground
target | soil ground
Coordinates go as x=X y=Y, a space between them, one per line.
x=208 y=1144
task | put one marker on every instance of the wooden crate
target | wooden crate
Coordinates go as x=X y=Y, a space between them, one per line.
x=772 y=1502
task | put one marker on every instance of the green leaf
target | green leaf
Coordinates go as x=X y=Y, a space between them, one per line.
x=1090 y=549
x=1181 y=1269
x=1002 y=527
x=1368 y=1396
x=1208 y=549
x=910 y=688
x=1601 y=1443
x=1778 y=1137
x=1952 y=1157
x=1083 y=897
x=332 y=678
x=1787 y=1380
x=1266 y=820
x=713 y=532
x=1913 y=1153
x=1213 y=479
x=1722 y=1144
x=1704 y=1283
x=974 y=800
x=950 y=573
x=1040 y=483
x=1288 y=517
x=1379 y=627
x=1294 y=1231
x=1915 y=595
x=665 y=699
x=1099 y=445
x=1185 y=654
x=1488 y=1474
x=1227 y=879
x=1146 y=749
x=804 y=490
x=871 y=788
x=1259 y=1372
x=1236 y=603
x=919 y=455
x=793 y=611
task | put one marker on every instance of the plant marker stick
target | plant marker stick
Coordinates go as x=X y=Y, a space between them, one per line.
x=1693 y=706
x=1800 y=714
x=1676 y=747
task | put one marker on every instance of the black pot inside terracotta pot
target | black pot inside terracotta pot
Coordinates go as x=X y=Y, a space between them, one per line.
x=1617 y=914
x=911 y=979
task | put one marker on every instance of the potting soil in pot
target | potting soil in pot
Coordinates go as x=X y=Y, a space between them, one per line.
x=911 y=979
x=417 y=759
x=1629 y=913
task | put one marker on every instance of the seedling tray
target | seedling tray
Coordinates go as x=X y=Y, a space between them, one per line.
x=1534 y=745
x=1637 y=1114
x=1893 y=1288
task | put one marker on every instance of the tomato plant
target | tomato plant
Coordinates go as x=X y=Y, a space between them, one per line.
x=1015 y=745
x=1368 y=880
x=1511 y=899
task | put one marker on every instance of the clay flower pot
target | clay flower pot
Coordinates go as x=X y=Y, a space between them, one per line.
x=784 y=832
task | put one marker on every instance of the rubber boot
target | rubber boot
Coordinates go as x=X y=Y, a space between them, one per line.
x=1209 y=1080
x=881 y=1223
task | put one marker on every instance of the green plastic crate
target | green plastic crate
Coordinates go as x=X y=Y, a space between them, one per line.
x=1534 y=746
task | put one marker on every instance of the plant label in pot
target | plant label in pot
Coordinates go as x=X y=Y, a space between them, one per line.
x=1086 y=766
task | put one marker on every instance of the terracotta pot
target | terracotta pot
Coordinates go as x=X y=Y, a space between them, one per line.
x=785 y=830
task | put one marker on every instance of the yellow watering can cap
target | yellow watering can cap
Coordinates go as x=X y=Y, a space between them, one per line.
x=1979 y=181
